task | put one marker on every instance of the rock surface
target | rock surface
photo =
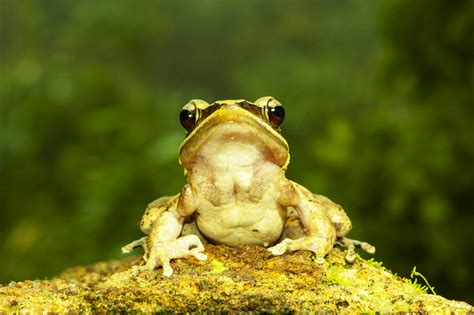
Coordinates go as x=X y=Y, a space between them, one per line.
x=244 y=278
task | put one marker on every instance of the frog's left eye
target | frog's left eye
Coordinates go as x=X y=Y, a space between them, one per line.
x=272 y=110
x=188 y=119
x=276 y=115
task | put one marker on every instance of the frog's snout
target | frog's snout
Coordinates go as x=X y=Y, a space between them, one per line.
x=230 y=106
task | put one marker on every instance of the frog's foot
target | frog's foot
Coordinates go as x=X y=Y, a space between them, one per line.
x=317 y=244
x=161 y=253
x=350 y=244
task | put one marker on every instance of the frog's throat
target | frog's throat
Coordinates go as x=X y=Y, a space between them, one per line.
x=228 y=114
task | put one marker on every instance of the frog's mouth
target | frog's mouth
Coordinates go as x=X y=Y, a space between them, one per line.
x=234 y=123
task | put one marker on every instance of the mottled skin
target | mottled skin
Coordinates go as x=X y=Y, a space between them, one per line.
x=236 y=192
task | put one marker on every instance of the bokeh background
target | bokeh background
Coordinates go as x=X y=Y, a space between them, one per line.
x=379 y=101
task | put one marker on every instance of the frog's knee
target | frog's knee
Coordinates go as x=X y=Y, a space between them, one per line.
x=154 y=210
x=342 y=227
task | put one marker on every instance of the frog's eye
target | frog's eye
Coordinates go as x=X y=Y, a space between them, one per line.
x=191 y=114
x=276 y=115
x=188 y=119
x=272 y=110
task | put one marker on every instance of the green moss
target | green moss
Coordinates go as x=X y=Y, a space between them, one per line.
x=425 y=288
x=337 y=274
x=217 y=267
x=422 y=289
x=372 y=262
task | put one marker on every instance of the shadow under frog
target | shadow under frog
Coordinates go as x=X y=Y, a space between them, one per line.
x=236 y=192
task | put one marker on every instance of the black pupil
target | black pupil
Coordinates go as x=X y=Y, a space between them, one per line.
x=187 y=119
x=276 y=115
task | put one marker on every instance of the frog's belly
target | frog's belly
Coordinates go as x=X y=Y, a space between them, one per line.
x=238 y=225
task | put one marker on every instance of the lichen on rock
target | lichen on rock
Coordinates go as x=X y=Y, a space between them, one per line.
x=243 y=278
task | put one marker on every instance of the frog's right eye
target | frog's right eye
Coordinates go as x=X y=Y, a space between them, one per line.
x=276 y=115
x=188 y=119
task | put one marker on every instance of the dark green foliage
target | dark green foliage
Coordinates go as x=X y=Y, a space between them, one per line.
x=378 y=100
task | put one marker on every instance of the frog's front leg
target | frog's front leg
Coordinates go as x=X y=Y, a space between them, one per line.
x=163 y=225
x=163 y=242
x=319 y=230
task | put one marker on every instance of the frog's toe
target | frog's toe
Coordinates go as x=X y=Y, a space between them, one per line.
x=137 y=243
x=276 y=251
x=190 y=245
x=368 y=247
x=350 y=244
x=157 y=257
x=160 y=254
x=197 y=255
x=167 y=270
x=350 y=256
x=280 y=248
x=318 y=245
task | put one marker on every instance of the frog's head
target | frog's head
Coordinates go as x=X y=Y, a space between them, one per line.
x=241 y=122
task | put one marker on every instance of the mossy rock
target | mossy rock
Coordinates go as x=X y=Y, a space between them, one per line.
x=243 y=278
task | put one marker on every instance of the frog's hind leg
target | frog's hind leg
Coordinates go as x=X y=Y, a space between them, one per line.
x=154 y=210
x=294 y=228
x=343 y=225
x=336 y=214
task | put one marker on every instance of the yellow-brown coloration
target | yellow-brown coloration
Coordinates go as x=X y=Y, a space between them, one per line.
x=249 y=279
x=233 y=113
x=237 y=193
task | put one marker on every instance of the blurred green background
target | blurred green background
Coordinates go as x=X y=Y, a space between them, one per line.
x=379 y=101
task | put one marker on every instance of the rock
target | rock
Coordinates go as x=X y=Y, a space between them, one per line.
x=243 y=278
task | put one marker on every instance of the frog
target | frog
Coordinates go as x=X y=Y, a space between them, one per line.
x=236 y=192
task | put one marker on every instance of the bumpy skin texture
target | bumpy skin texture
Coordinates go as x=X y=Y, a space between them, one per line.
x=237 y=193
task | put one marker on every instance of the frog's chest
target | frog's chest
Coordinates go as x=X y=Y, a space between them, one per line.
x=227 y=169
x=234 y=183
x=238 y=201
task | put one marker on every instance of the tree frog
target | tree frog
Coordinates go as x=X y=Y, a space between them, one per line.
x=236 y=192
